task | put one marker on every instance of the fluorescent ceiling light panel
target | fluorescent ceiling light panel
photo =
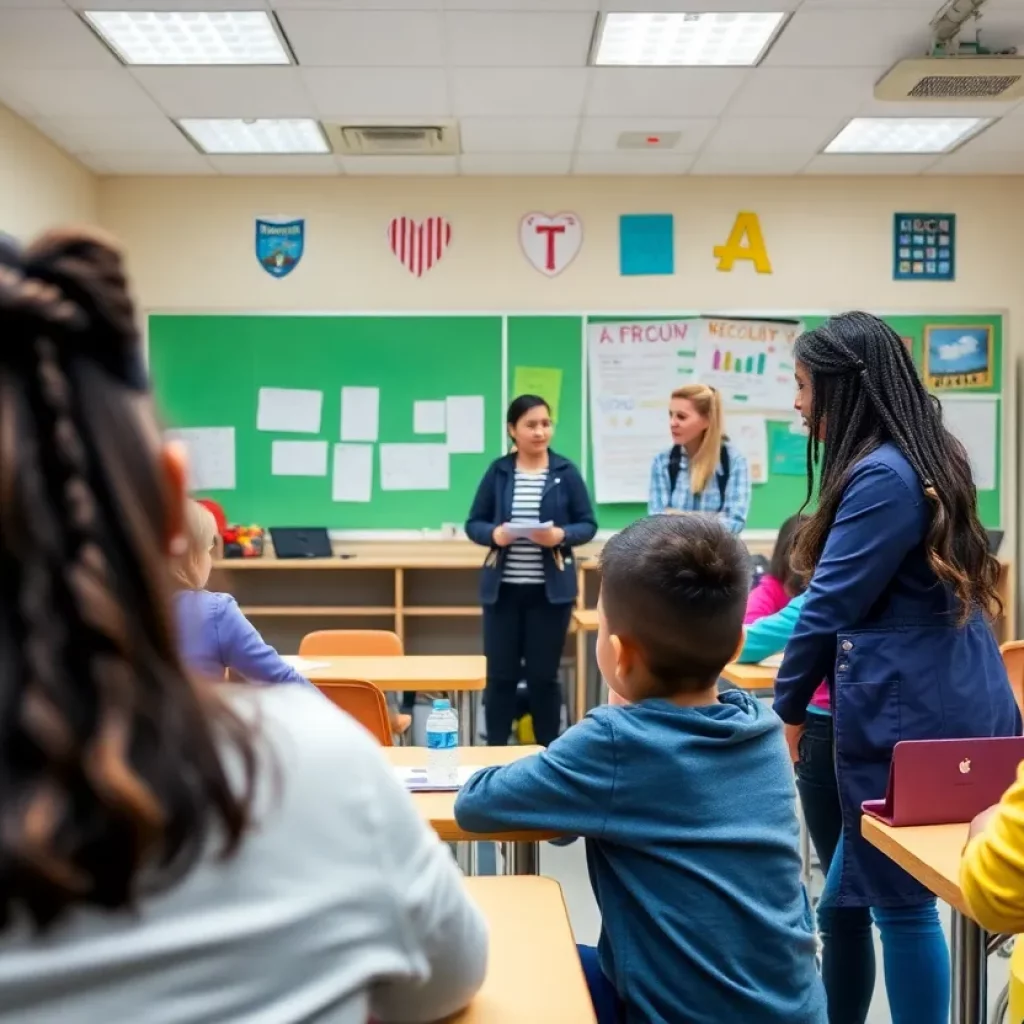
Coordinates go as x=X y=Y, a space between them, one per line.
x=905 y=134
x=721 y=39
x=224 y=136
x=190 y=37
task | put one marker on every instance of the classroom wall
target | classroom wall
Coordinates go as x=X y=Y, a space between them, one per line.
x=40 y=185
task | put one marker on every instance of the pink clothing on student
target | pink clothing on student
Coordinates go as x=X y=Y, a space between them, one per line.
x=768 y=598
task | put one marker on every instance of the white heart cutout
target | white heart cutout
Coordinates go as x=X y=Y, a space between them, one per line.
x=550 y=241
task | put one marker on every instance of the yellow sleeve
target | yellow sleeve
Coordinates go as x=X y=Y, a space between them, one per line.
x=992 y=867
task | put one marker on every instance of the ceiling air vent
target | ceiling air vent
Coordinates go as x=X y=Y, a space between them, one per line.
x=394 y=139
x=961 y=77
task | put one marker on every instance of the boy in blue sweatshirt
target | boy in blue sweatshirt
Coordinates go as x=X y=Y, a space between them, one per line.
x=684 y=795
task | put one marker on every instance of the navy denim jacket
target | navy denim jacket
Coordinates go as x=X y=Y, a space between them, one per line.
x=565 y=502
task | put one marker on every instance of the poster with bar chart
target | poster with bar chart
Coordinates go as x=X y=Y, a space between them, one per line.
x=749 y=361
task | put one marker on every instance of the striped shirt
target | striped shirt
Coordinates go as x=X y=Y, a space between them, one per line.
x=524 y=561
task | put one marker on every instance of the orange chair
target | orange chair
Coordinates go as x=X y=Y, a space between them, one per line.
x=350 y=643
x=1013 y=659
x=365 y=703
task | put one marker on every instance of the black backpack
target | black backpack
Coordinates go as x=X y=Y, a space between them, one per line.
x=675 y=458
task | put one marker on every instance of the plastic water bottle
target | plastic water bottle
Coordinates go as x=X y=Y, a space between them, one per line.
x=442 y=745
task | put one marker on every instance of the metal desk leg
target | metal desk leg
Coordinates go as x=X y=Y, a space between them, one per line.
x=465 y=705
x=521 y=858
x=969 y=956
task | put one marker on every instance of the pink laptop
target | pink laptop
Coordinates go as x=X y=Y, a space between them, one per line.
x=941 y=782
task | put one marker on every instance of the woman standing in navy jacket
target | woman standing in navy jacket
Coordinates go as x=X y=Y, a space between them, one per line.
x=528 y=585
x=896 y=618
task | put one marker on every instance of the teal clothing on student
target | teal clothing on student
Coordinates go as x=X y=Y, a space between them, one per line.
x=692 y=847
x=770 y=635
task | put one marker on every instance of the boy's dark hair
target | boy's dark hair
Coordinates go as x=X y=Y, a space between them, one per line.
x=677 y=587
x=781 y=565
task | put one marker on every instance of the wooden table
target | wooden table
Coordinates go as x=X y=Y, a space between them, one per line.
x=521 y=850
x=750 y=677
x=931 y=854
x=585 y=621
x=462 y=675
x=533 y=972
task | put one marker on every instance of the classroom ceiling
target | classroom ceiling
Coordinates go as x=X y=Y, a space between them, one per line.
x=514 y=74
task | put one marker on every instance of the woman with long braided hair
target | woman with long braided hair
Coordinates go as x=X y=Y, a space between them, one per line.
x=896 y=618
x=172 y=850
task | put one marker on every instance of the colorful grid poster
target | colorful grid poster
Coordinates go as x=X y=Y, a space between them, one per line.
x=924 y=247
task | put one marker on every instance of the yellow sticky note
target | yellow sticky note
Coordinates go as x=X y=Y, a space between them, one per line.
x=545 y=381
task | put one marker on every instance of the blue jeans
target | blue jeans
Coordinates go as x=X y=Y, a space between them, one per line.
x=608 y=1007
x=914 y=953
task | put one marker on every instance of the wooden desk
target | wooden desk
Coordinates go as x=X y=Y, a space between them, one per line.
x=931 y=854
x=522 y=853
x=462 y=675
x=533 y=973
x=750 y=677
x=584 y=621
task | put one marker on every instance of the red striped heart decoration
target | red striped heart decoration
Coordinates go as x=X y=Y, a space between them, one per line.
x=419 y=246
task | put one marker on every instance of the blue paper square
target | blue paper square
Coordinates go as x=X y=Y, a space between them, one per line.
x=646 y=244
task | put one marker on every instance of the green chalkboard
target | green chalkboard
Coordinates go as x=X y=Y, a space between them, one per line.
x=207 y=372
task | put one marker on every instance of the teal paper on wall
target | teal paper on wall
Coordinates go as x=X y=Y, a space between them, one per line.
x=787 y=451
x=646 y=244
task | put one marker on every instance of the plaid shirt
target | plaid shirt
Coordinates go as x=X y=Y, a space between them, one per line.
x=737 y=490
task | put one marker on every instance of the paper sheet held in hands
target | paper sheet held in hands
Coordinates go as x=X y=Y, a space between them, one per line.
x=522 y=531
x=303 y=665
x=415 y=779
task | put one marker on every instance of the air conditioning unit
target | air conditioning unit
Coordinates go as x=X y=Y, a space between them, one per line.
x=959 y=77
x=394 y=139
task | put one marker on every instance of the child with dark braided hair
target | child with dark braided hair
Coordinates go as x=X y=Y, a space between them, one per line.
x=896 y=618
x=172 y=850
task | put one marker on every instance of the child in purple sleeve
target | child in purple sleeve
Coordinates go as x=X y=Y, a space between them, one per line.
x=213 y=633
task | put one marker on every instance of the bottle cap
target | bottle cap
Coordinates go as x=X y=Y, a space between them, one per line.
x=442 y=705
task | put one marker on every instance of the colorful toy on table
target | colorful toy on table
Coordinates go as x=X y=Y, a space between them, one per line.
x=243 y=541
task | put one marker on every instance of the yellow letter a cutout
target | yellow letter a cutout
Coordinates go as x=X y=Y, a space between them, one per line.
x=747 y=227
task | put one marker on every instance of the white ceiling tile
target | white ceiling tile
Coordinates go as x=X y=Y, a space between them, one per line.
x=171 y=164
x=744 y=164
x=75 y=93
x=33 y=5
x=357 y=5
x=519 y=5
x=749 y=136
x=276 y=165
x=698 y=6
x=804 y=92
x=928 y=6
x=228 y=92
x=601 y=134
x=663 y=92
x=858 y=164
x=849 y=38
x=115 y=134
x=399 y=39
x=400 y=165
x=514 y=164
x=963 y=161
x=511 y=92
x=50 y=40
x=632 y=163
x=378 y=92
x=519 y=134
x=479 y=39
x=166 y=5
x=1002 y=137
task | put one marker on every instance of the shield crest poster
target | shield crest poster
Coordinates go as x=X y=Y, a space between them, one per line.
x=280 y=243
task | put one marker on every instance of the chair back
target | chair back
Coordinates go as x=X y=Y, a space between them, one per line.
x=365 y=703
x=350 y=643
x=1013 y=659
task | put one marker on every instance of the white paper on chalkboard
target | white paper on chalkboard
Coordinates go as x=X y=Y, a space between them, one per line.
x=289 y=410
x=414 y=467
x=298 y=458
x=428 y=417
x=465 y=416
x=974 y=420
x=211 y=456
x=353 y=473
x=360 y=414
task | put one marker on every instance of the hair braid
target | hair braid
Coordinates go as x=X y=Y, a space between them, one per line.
x=867 y=392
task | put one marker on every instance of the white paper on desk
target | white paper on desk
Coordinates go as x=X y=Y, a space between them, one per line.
x=414 y=467
x=360 y=414
x=465 y=423
x=353 y=473
x=211 y=456
x=428 y=417
x=415 y=779
x=298 y=458
x=289 y=410
x=773 y=660
x=303 y=665
x=974 y=420
x=519 y=531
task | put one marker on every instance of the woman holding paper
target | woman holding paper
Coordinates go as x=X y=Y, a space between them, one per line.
x=531 y=510
x=702 y=471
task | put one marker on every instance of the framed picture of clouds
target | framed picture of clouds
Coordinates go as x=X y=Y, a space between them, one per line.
x=958 y=357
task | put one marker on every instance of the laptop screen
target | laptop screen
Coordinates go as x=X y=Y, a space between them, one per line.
x=295 y=542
